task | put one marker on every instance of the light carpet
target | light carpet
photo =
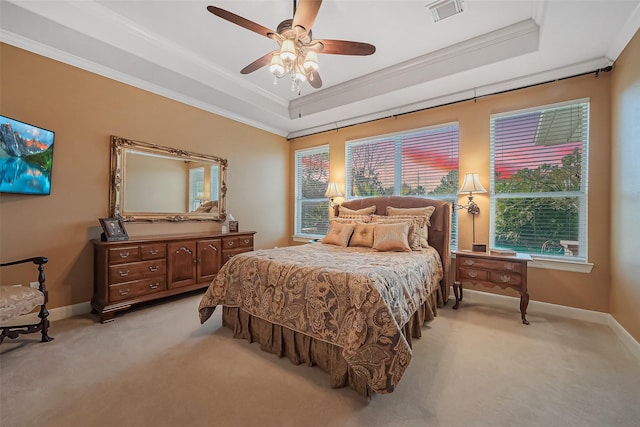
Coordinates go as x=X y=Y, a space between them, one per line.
x=157 y=366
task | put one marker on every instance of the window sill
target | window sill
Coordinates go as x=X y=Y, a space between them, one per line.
x=305 y=239
x=564 y=265
x=552 y=264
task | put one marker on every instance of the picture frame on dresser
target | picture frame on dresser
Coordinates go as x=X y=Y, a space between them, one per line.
x=113 y=230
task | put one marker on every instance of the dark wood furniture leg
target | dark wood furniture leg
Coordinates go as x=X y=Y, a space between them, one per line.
x=457 y=294
x=524 y=303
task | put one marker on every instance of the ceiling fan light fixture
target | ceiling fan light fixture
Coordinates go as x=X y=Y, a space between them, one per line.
x=299 y=75
x=311 y=61
x=277 y=66
x=288 y=50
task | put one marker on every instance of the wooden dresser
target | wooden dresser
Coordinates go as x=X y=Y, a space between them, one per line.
x=492 y=270
x=145 y=269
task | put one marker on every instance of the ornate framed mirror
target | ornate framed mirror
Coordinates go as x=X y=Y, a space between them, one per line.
x=155 y=183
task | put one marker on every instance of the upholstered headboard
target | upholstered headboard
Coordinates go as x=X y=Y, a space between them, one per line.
x=439 y=230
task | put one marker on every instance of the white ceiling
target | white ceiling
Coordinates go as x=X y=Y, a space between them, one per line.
x=180 y=50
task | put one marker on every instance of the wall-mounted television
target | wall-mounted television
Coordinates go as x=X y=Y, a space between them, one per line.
x=26 y=157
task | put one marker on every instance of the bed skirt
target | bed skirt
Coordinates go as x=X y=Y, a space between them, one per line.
x=300 y=348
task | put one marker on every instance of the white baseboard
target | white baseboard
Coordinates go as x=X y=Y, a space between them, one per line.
x=57 y=313
x=537 y=306
x=567 y=312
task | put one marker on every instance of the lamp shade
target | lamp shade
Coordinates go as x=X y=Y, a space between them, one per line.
x=311 y=60
x=276 y=66
x=471 y=184
x=288 y=50
x=332 y=190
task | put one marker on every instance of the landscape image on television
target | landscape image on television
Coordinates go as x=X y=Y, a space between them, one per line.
x=26 y=157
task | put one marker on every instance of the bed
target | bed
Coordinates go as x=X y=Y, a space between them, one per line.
x=350 y=310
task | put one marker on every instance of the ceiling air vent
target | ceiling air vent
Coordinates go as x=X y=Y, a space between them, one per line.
x=441 y=9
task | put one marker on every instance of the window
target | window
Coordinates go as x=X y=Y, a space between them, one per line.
x=422 y=162
x=539 y=180
x=196 y=188
x=312 y=177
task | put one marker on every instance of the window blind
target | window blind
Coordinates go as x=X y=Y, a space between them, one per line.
x=539 y=180
x=421 y=162
x=311 y=179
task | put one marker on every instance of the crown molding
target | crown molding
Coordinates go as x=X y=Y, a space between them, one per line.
x=508 y=42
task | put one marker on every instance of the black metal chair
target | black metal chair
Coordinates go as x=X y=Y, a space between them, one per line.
x=18 y=300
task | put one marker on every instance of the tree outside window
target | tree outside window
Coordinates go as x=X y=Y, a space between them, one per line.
x=312 y=178
x=539 y=180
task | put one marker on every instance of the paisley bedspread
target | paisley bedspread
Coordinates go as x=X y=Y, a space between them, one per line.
x=356 y=298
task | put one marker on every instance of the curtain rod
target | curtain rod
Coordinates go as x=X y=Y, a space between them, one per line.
x=596 y=72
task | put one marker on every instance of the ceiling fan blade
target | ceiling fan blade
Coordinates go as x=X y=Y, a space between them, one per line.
x=257 y=64
x=315 y=80
x=239 y=20
x=344 y=47
x=306 y=13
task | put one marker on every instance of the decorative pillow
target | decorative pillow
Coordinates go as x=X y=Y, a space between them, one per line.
x=426 y=211
x=207 y=206
x=391 y=237
x=415 y=226
x=356 y=217
x=338 y=234
x=343 y=220
x=364 y=211
x=362 y=235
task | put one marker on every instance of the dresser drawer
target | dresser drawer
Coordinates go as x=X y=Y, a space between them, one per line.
x=124 y=254
x=506 y=278
x=136 y=270
x=245 y=241
x=471 y=274
x=137 y=288
x=228 y=254
x=230 y=242
x=490 y=264
x=155 y=251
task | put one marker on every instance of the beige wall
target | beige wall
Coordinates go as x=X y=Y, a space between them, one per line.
x=588 y=291
x=625 y=191
x=84 y=109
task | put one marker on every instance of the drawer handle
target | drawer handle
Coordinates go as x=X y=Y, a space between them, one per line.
x=123 y=292
x=246 y=241
x=231 y=243
x=469 y=262
x=154 y=285
x=124 y=254
x=509 y=266
x=124 y=273
x=153 y=252
x=472 y=274
x=153 y=268
x=505 y=278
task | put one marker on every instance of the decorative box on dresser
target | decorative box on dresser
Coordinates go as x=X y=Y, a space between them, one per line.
x=483 y=268
x=144 y=269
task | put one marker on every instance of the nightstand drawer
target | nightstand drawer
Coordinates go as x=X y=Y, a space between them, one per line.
x=490 y=264
x=471 y=274
x=506 y=278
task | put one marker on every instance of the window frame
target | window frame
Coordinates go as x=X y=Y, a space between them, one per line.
x=298 y=200
x=397 y=172
x=560 y=262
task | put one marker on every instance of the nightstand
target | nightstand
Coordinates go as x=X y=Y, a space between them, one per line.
x=493 y=270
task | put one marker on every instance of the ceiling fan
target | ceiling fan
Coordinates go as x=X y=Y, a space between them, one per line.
x=297 y=51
